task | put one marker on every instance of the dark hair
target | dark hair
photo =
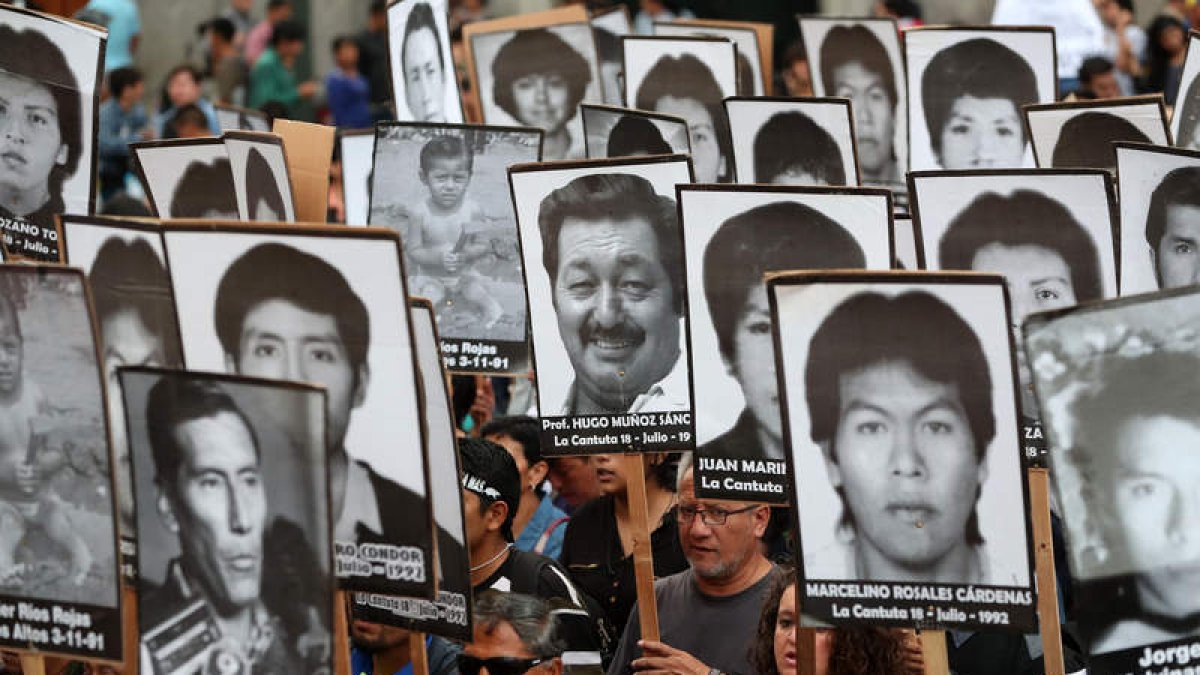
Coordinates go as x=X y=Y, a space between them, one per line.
x=745 y=75
x=1180 y=187
x=203 y=188
x=276 y=4
x=899 y=328
x=1093 y=66
x=1126 y=5
x=537 y=51
x=492 y=464
x=903 y=9
x=522 y=429
x=856 y=44
x=791 y=140
x=177 y=399
x=762 y=654
x=287 y=31
x=530 y=617
x=8 y=310
x=446 y=146
x=980 y=68
x=261 y=185
x=686 y=76
x=608 y=45
x=377 y=7
x=635 y=136
x=420 y=17
x=299 y=278
x=121 y=204
x=189 y=114
x=33 y=56
x=610 y=196
x=129 y=275
x=121 y=79
x=342 y=40
x=1023 y=218
x=1085 y=141
x=772 y=237
x=222 y=28
x=1158 y=61
x=1188 y=111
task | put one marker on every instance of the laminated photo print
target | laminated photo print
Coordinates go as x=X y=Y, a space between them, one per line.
x=733 y=237
x=1080 y=134
x=1050 y=232
x=234 y=118
x=126 y=270
x=608 y=26
x=860 y=59
x=424 y=81
x=232 y=489
x=59 y=578
x=966 y=88
x=1185 y=118
x=533 y=70
x=332 y=311
x=1159 y=194
x=792 y=141
x=603 y=261
x=905 y=240
x=449 y=615
x=688 y=77
x=750 y=79
x=444 y=189
x=610 y=131
x=50 y=79
x=1117 y=385
x=187 y=178
x=357 y=150
x=899 y=417
x=260 y=176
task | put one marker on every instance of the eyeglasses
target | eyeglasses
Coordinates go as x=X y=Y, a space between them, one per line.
x=711 y=517
x=497 y=665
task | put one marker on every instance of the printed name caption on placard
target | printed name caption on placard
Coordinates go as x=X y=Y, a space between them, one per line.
x=23 y=238
x=470 y=355
x=402 y=563
x=449 y=607
x=934 y=606
x=59 y=627
x=624 y=432
x=1177 y=657
x=757 y=476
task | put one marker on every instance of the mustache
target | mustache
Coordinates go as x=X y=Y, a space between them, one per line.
x=621 y=332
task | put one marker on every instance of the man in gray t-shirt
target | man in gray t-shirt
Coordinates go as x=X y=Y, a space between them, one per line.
x=708 y=614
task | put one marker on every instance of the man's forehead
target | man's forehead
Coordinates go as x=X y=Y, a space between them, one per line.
x=584 y=237
x=285 y=318
x=1184 y=218
x=500 y=639
x=219 y=440
x=14 y=85
x=884 y=379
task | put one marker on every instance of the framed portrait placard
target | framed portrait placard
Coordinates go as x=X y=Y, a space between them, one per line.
x=603 y=262
x=357 y=150
x=1185 y=118
x=444 y=189
x=733 y=236
x=259 y=165
x=234 y=118
x=449 y=614
x=555 y=48
x=187 y=178
x=792 y=141
x=59 y=578
x=1050 y=232
x=608 y=26
x=899 y=416
x=1159 y=192
x=750 y=79
x=838 y=49
x=966 y=88
x=424 y=81
x=904 y=237
x=333 y=311
x=53 y=70
x=1117 y=388
x=609 y=131
x=1080 y=134
x=231 y=484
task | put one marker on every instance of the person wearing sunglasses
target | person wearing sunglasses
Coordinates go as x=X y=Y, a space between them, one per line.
x=514 y=634
x=707 y=614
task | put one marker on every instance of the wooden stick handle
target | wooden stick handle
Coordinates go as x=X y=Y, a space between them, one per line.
x=418 y=654
x=643 y=557
x=806 y=650
x=933 y=651
x=1043 y=558
x=33 y=664
x=341 y=633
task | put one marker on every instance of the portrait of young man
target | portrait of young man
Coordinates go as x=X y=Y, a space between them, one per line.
x=1173 y=228
x=188 y=178
x=308 y=321
x=1081 y=134
x=239 y=527
x=260 y=178
x=424 y=81
x=792 y=142
x=610 y=131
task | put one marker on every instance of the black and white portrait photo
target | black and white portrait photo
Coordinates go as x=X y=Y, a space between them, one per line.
x=733 y=236
x=750 y=80
x=233 y=517
x=233 y=118
x=1185 y=118
x=424 y=82
x=904 y=239
x=966 y=88
x=135 y=312
x=1080 y=135
x=688 y=77
x=187 y=178
x=1119 y=394
x=792 y=141
x=537 y=74
x=899 y=416
x=860 y=59
x=1050 y=232
x=603 y=261
x=608 y=27
x=260 y=176
x=624 y=132
x=58 y=516
x=333 y=311
x=49 y=117
x=444 y=188
x=449 y=614
x=1159 y=192
x=357 y=151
